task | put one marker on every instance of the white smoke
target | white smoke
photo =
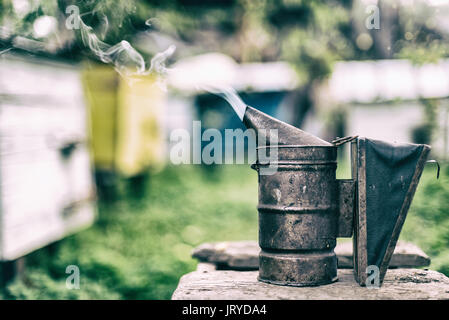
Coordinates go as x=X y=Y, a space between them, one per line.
x=127 y=61
x=230 y=95
x=211 y=72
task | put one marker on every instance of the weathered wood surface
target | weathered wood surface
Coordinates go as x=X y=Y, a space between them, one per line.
x=236 y=255
x=243 y=255
x=399 y=284
x=406 y=255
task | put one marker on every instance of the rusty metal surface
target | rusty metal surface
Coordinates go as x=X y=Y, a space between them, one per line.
x=346 y=205
x=287 y=134
x=297 y=231
x=303 y=208
x=298 y=269
x=400 y=284
x=244 y=255
x=298 y=217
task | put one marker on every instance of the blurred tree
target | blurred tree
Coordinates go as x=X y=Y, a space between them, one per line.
x=424 y=132
x=312 y=35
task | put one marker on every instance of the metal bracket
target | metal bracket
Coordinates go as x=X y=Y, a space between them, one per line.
x=346 y=205
x=438 y=166
x=339 y=141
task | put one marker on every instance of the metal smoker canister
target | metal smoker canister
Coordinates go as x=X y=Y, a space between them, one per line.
x=298 y=216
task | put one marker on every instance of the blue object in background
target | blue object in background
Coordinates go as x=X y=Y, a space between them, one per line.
x=215 y=112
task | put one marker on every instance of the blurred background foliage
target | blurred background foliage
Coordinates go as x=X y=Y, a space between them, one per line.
x=312 y=35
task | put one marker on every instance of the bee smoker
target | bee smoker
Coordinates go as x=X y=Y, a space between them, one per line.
x=303 y=208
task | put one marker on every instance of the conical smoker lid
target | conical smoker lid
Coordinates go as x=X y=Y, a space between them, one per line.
x=387 y=176
x=287 y=134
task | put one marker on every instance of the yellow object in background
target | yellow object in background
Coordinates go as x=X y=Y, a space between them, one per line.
x=125 y=120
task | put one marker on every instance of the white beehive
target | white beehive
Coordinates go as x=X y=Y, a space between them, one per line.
x=46 y=189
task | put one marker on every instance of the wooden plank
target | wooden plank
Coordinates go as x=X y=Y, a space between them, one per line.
x=238 y=255
x=32 y=189
x=33 y=213
x=399 y=284
x=24 y=77
x=21 y=240
x=38 y=121
x=244 y=255
x=406 y=255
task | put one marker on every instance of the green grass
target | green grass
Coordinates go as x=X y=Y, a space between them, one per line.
x=427 y=223
x=138 y=249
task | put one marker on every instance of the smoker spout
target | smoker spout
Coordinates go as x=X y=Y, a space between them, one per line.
x=287 y=134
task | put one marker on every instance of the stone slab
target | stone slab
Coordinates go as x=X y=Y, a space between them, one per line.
x=235 y=255
x=244 y=255
x=406 y=255
x=399 y=284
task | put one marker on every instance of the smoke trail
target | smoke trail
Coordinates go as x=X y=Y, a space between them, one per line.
x=230 y=95
x=129 y=62
x=104 y=26
x=5 y=50
x=152 y=22
x=126 y=60
x=157 y=66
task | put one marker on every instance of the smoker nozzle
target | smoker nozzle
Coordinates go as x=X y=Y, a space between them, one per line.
x=287 y=134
